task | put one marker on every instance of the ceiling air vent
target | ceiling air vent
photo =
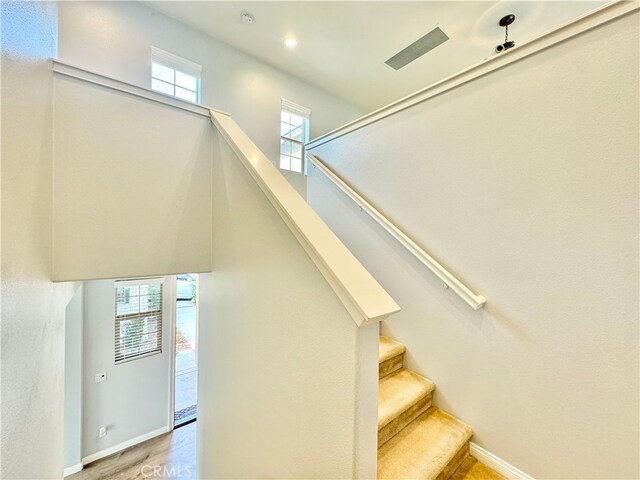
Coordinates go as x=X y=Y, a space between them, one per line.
x=418 y=48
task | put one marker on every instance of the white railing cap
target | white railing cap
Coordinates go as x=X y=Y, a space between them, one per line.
x=361 y=294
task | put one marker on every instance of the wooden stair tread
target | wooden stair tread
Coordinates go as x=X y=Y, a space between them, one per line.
x=398 y=392
x=425 y=448
x=389 y=348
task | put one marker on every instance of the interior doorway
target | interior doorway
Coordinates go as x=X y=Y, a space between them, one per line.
x=186 y=349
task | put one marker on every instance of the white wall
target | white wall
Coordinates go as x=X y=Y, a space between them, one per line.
x=287 y=381
x=73 y=375
x=134 y=400
x=524 y=183
x=132 y=185
x=32 y=324
x=114 y=38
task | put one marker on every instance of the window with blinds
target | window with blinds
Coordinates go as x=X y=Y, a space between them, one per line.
x=138 y=318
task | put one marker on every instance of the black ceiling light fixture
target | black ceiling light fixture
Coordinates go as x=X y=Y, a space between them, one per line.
x=505 y=22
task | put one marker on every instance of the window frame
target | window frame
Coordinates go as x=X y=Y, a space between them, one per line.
x=177 y=64
x=158 y=350
x=305 y=113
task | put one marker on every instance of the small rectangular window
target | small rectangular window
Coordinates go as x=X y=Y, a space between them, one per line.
x=138 y=318
x=175 y=76
x=294 y=133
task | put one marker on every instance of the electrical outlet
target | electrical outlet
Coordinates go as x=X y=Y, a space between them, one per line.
x=101 y=377
x=102 y=432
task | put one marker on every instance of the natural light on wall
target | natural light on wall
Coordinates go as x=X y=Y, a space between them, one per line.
x=294 y=133
x=175 y=76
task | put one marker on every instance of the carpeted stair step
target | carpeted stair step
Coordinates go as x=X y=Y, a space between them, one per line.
x=472 y=469
x=390 y=356
x=432 y=447
x=402 y=397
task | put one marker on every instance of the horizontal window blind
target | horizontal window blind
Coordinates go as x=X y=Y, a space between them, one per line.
x=138 y=318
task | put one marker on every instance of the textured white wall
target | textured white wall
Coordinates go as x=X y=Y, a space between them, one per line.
x=524 y=183
x=32 y=323
x=282 y=365
x=114 y=38
x=132 y=185
x=73 y=376
x=134 y=400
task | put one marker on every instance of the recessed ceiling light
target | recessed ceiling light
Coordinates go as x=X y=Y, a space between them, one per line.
x=290 y=42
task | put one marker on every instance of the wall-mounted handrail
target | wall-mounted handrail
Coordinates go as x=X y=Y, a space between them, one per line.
x=363 y=297
x=450 y=281
x=589 y=20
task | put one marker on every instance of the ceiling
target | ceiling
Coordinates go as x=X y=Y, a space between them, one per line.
x=342 y=46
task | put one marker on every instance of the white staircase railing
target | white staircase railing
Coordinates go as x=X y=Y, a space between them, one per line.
x=363 y=297
x=450 y=281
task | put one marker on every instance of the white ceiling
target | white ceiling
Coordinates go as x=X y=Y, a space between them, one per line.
x=342 y=46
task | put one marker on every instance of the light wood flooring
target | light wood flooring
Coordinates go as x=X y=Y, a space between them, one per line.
x=172 y=455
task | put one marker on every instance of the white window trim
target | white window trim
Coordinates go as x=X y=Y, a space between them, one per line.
x=304 y=112
x=174 y=61
x=295 y=108
x=180 y=64
x=141 y=281
x=137 y=281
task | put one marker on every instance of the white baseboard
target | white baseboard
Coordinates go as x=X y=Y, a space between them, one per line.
x=73 y=469
x=121 y=446
x=503 y=468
